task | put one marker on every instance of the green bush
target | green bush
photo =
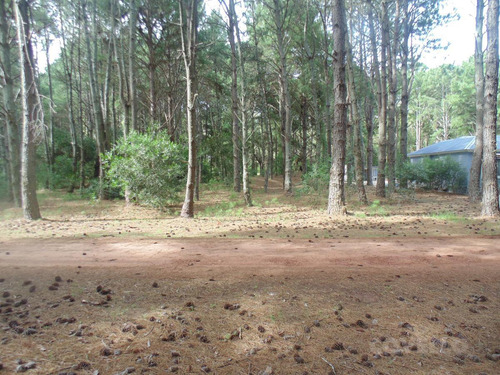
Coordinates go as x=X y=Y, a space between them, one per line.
x=151 y=166
x=444 y=174
x=317 y=178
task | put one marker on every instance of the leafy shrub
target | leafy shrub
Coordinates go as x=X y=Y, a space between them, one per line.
x=317 y=178
x=443 y=174
x=151 y=166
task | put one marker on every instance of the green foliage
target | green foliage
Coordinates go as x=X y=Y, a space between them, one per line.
x=63 y=176
x=151 y=166
x=436 y=174
x=317 y=178
x=376 y=209
x=223 y=209
x=449 y=216
x=4 y=187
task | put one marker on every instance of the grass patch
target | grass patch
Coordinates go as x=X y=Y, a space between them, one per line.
x=376 y=209
x=449 y=216
x=223 y=209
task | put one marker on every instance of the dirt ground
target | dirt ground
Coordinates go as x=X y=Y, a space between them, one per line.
x=409 y=285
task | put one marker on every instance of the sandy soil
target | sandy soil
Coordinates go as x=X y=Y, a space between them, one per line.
x=247 y=306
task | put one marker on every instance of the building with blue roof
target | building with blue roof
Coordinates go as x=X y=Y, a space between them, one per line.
x=459 y=149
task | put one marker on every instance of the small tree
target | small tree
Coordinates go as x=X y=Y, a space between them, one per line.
x=150 y=167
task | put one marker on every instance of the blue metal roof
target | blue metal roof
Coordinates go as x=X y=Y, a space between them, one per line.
x=462 y=144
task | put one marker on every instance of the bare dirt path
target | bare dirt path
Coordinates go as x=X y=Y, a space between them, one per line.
x=239 y=306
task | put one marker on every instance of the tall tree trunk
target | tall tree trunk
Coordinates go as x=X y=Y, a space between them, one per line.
x=244 y=108
x=382 y=118
x=477 y=158
x=489 y=206
x=131 y=65
x=336 y=198
x=303 y=120
x=234 y=102
x=403 y=138
x=375 y=73
x=369 y=140
x=315 y=123
x=285 y=105
x=326 y=71
x=123 y=82
x=80 y=104
x=68 y=69
x=30 y=113
x=189 y=10
x=12 y=129
x=392 y=54
x=356 y=124
x=96 y=100
x=49 y=138
x=268 y=135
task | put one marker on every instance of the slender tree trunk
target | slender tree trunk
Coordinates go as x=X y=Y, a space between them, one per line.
x=12 y=129
x=356 y=124
x=392 y=54
x=234 y=102
x=336 y=198
x=489 y=206
x=382 y=121
x=189 y=10
x=68 y=69
x=303 y=119
x=244 y=108
x=286 y=119
x=123 y=82
x=96 y=102
x=268 y=136
x=403 y=138
x=326 y=72
x=30 y=113
x=49 y=137
x=131 y=65
x=369 y=141
x=477 y=158
x=80 y=104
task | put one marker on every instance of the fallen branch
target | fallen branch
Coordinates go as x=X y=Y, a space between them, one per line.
x=332 y=366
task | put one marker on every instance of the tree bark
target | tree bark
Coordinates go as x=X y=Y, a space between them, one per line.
x=326 y=72
x=189 y=10
x=382 y=120
x=68 y=69
x=30 y=113
x=244 y=107
x=356 y=124
x=336 y=198
x=303 y=120
x=234 y=102
x=12 y=129
x=131 y=65
x=474 y=187
x=393 y=86
x=285 y=105
x=403 y=138
x=96 y=101
x=489 y=206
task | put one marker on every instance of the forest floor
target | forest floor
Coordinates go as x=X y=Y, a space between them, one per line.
x=407 y=285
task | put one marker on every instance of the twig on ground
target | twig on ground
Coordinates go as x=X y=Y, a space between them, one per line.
x=332 y=366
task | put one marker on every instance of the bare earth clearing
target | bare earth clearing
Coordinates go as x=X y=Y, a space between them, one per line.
x=407 y=286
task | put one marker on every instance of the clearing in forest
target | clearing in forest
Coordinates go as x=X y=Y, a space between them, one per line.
x=407 y=285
